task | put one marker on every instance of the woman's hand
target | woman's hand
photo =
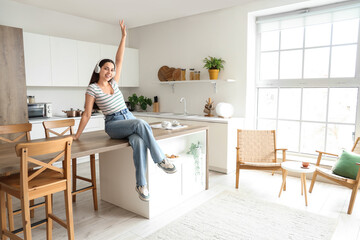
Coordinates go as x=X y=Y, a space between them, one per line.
x=74 y=137
x=123 y=28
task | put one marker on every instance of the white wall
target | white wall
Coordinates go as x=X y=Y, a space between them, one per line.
x=183 y=43
x=42 y=21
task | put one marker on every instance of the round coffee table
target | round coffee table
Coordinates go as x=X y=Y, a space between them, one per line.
x=298 y=168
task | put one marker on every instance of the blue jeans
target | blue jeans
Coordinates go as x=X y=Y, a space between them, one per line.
x=123 y=124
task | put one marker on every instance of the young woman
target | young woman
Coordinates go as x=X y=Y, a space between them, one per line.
x=103 y=93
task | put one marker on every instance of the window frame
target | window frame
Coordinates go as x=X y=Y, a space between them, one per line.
x=338 y=82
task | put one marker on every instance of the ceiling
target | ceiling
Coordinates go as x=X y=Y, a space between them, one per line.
x=135 y=12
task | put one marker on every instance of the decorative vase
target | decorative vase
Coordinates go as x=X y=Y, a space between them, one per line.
x=213 y=73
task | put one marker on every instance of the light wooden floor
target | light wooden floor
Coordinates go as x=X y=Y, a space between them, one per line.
x=111 y=222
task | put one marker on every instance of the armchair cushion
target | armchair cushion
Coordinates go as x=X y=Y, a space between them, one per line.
x=346 y=165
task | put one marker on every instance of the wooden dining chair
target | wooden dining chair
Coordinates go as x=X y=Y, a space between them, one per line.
x=256 y=150
x=42 y=182
x=353 y=184
x=12 y=134
x=67 y=126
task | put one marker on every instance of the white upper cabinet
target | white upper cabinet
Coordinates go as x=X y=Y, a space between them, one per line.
x=108 y=51
x=53 y=61
x=64 y=62
x=37 y=59
x=130 y=68
x=88 y=56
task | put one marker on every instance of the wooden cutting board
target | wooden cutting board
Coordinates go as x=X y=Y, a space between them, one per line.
x=176 y=75
x=166 y=74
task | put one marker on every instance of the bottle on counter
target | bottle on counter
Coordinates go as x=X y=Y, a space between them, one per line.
x=183 y=73
x=31 y=99
x=192 y=74
x=197 y=75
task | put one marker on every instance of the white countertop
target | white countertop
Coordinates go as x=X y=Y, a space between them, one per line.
x=168 y=115
x=59 y=117
x=190 y=117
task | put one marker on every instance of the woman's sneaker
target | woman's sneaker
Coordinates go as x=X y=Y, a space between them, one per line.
x=143 y=193
x=167 y=166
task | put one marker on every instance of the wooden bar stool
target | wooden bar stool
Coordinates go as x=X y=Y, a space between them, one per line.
x=42 y=182
x=12 y=134
x=67 y=125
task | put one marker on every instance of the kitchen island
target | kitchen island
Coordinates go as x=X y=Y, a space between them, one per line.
x=112 y=164
x=222 y=135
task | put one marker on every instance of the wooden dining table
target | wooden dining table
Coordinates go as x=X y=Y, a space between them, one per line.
x=90 y=143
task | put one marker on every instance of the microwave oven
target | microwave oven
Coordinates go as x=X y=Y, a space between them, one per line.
x=39 y=110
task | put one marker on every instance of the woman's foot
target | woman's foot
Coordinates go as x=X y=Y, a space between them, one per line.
x=167 y=166
x=143 y=193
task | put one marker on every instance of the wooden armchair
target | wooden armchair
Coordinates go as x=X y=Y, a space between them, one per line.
x=343 y=181
x=68 y=124
x=256 y=149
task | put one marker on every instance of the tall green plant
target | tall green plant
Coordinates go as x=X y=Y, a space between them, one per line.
x=214 y=63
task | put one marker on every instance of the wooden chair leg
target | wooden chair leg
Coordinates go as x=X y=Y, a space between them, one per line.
x=48 y=210
x=237 y=178
x=284 y=174
x=25 y=207
x=32 y=212
x=3 y=214
x=74 y=167
x=10 y=211
x=312 y=181
x=69 y=213
x=352 y=199
x=302 y=185
x=93 y=180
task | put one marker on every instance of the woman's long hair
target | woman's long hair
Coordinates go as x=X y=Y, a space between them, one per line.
x=95 y=76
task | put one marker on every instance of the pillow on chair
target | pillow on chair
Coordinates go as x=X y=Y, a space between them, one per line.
x=346 y=165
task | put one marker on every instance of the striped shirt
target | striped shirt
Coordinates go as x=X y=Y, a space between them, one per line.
x=108 y=103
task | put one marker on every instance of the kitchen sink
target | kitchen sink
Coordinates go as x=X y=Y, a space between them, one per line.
x=171 y=114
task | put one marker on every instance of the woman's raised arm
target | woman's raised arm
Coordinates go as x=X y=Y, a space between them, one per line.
x=120 y=52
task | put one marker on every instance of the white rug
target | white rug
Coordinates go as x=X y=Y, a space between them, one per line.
x=234 y=216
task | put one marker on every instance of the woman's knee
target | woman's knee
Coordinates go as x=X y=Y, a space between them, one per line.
x=136 y=141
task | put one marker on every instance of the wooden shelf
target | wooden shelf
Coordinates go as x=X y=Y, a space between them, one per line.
x=213 y=82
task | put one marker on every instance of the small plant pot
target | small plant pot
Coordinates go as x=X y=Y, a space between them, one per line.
x=213 y=73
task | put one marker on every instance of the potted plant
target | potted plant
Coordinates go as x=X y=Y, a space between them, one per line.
x=214 y=65
x=140 y=102
x=133 y=101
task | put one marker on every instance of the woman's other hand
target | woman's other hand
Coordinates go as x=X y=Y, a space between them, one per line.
x=74 y=137
x=123 y=28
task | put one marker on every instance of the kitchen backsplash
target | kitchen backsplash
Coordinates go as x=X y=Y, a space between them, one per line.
x=64 y=98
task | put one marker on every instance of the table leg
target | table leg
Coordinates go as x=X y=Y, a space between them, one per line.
x=302 y=184
x=304 y=181
x=284 y=174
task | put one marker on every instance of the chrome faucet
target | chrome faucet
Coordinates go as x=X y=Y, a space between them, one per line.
x=184 y=101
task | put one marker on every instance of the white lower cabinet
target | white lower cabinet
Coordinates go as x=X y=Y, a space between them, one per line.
x=117 y=176
x=222 y=141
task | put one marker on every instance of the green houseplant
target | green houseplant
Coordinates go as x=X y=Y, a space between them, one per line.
x=214 y=65
x=140 y=101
